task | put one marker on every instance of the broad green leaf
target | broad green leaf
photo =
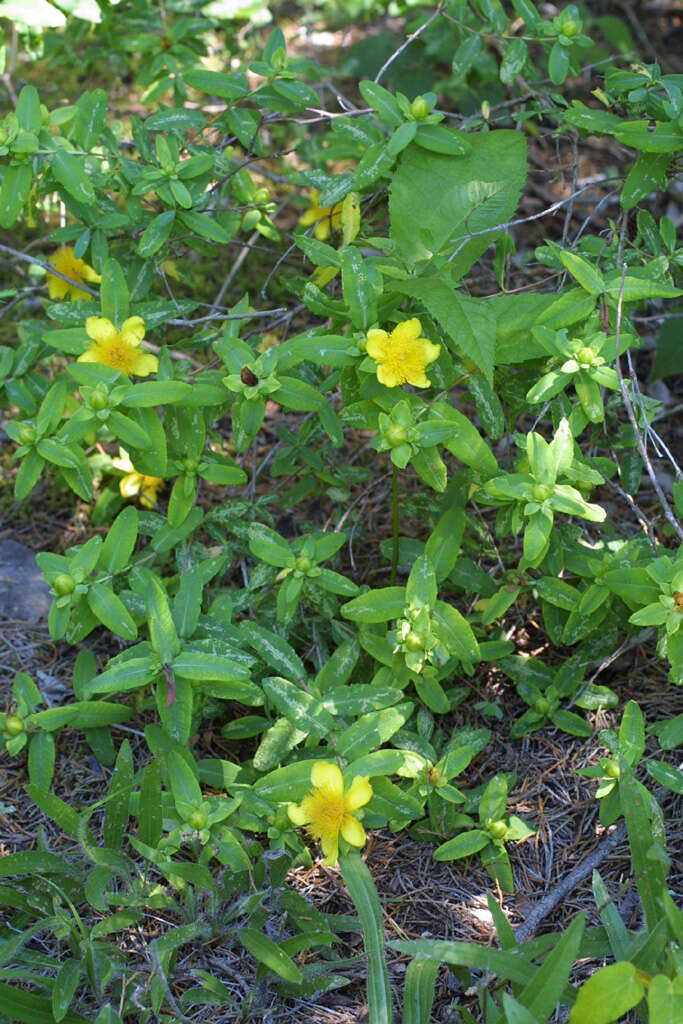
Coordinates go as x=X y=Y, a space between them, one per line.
x=183 y=781
x=156 y=233
x=120 y=541
x=65 y=986
x=647 y=174
x=379 y=605
x=665 y=999
x=632 y=733
x=269 y=546
x=463 y=845
x=542 y=994
x=437 y=201
x=300 y=708
x=27 y=1007
x=69 y=171
x=609 y=993
x=382 y=101
x=372 y=730
x=111 y=611
x=583 y=272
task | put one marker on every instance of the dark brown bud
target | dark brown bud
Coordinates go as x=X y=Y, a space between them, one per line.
x=248 y=377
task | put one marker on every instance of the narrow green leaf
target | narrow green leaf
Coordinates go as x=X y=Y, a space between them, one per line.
x=270 y=954
x=117 y=808
x=366 y=901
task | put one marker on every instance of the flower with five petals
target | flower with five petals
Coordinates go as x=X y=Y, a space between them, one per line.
x=119 y=349
x=324 y=217
x=136 y=483
x=327 y=811
x=403 y=355
x=78 y=270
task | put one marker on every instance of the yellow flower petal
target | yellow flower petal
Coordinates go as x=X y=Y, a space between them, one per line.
x=77 y=269
x=100 y=330
x=353 y=832
x=391 y=378
x=133 y=330
x=359 y=793
x=409 y=330
x=144 y=364
x=330 y=846
x=130 y=484
x=328 y=777
x=322 y=230
x=376 y=343
x=297 y=814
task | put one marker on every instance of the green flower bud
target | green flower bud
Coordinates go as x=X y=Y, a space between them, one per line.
x=570 y=28
x=261 y=195
x=541 y=492
x=414 y=641
x=542 y=706
x=303 y=563
x=586 y=355
x=395 y=435
x=420 y=108
x=64 y=583
x=98 y=400
x=610 y=766
x=14 y=725
x=190 y=465
x=198 y=820
x=27 y=433
x=498 y=829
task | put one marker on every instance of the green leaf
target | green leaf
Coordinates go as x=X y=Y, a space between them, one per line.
x=16 y=186
x=65 y=986
x=378 y=605
x=617 y=932
x=558 y=64
x=645 y=833
x=588 y=276
x=361 y=287
x=372 y=730
x=274 y=650
x=443 y=545
x=128 y=675
x=437 y=138
x=117 y=808
x=150 y=807
x=156 y=233
x=436 y=200
x=663 y=137
x=418 y=994
x=609 y=993
x=456 y=633
x=216 y=83
x=542 y=994
x=69 y=171
x=120 y=541
x=362 y=891
x=300 y=708
x=114 y=293
x=29 y=117
x=91 y=116
x=632 y=733
x=183 y=781
x=205 y=226
x=269 y=546
x=646 y=175
x=382 y=101
x=463 y=845
x=111 y=611
x=270 y=954
x=41 y=760
x=28 y=1008
x=162 y=631
x=665 y=999
x=665 y=774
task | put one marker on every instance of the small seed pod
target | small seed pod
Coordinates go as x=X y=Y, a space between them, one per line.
x=248 y=377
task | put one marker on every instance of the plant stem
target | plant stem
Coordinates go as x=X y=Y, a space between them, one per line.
x=394 y=501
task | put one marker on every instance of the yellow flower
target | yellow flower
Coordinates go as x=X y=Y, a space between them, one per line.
x=119 y=349
x=133 y=483
x=324 y=217
x=326 y=811
x=78 y=270
x=403 y=355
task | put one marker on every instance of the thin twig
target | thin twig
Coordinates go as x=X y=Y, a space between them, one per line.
x=411 y=38
x=632 y=416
